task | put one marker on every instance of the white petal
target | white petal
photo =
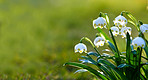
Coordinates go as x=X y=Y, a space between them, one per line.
x=99 y=22
x=124 y=31
x=138 y=41
x=144 y=28
x=80 y=47
x=120 y=21
x=99 y=41
x=115 y=30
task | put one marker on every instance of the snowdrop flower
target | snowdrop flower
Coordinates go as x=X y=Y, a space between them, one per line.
x=99 y=41
x=139 y=42
x=144 y=28
x=124 y=31
x=115 y=30
x=80 y=48
x=120 y=21
x=99 y=22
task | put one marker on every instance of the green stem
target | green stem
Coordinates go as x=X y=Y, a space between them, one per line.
x=87 y=39
x=118 y=53
x=104 y=34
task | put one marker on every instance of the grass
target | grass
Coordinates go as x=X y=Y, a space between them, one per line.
x=37 y=36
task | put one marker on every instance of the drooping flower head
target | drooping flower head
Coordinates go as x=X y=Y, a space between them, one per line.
x=115 y=30
x=124 y=31
x=120 y=21
x=80 y=47
x=139 y=42
x=99 y=41
x=144 y=28
x=99 y=22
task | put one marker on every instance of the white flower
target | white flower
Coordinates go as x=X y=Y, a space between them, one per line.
x=124 y=31
x=144 y=28
x=80 y=48
x=99 y=41
x=139 y=42
x=120 y=21
x=115 y=30
x=99 y=22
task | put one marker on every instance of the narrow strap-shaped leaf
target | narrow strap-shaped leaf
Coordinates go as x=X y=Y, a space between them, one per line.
x=139 y=52
x=111 y=46
x=91 y=70
x=145 y=69
x=146 y=50
x=131 y=22
x=142 y=77
x=128 y=49
x=93 y=53
x=124 y=65
x=85 y=61
x=131 y=17
x=107 y=72
x=144 y=57
x=143 y=64
x=112 y=66
x=90 y=59
x=81 y=70
x=101 y=67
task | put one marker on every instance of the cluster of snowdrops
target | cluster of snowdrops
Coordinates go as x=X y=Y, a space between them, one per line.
x=123 y=65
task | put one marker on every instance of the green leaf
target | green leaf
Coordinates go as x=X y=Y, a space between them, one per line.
x=90 y=59
x=131 y=17
x=128 y=49
x=146 y=50
x=112 y=66
x=124 y=65
x=107 y=50
x=93 y=53
x=107 y=18
x=81 y=70
x=111 y=46
x=131 y=22
x=145 y=69
x=91 y=70
x=144 y=64
x=85 y=61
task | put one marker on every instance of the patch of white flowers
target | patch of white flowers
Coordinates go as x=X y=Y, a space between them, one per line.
x=139 y=42
x=99 y=41
x=119 y=28
x=99 y=22
x=80 y=47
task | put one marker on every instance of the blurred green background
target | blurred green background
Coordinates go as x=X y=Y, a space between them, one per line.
x=38 y=36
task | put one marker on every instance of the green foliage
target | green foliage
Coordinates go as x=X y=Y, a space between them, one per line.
x=116 y=67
